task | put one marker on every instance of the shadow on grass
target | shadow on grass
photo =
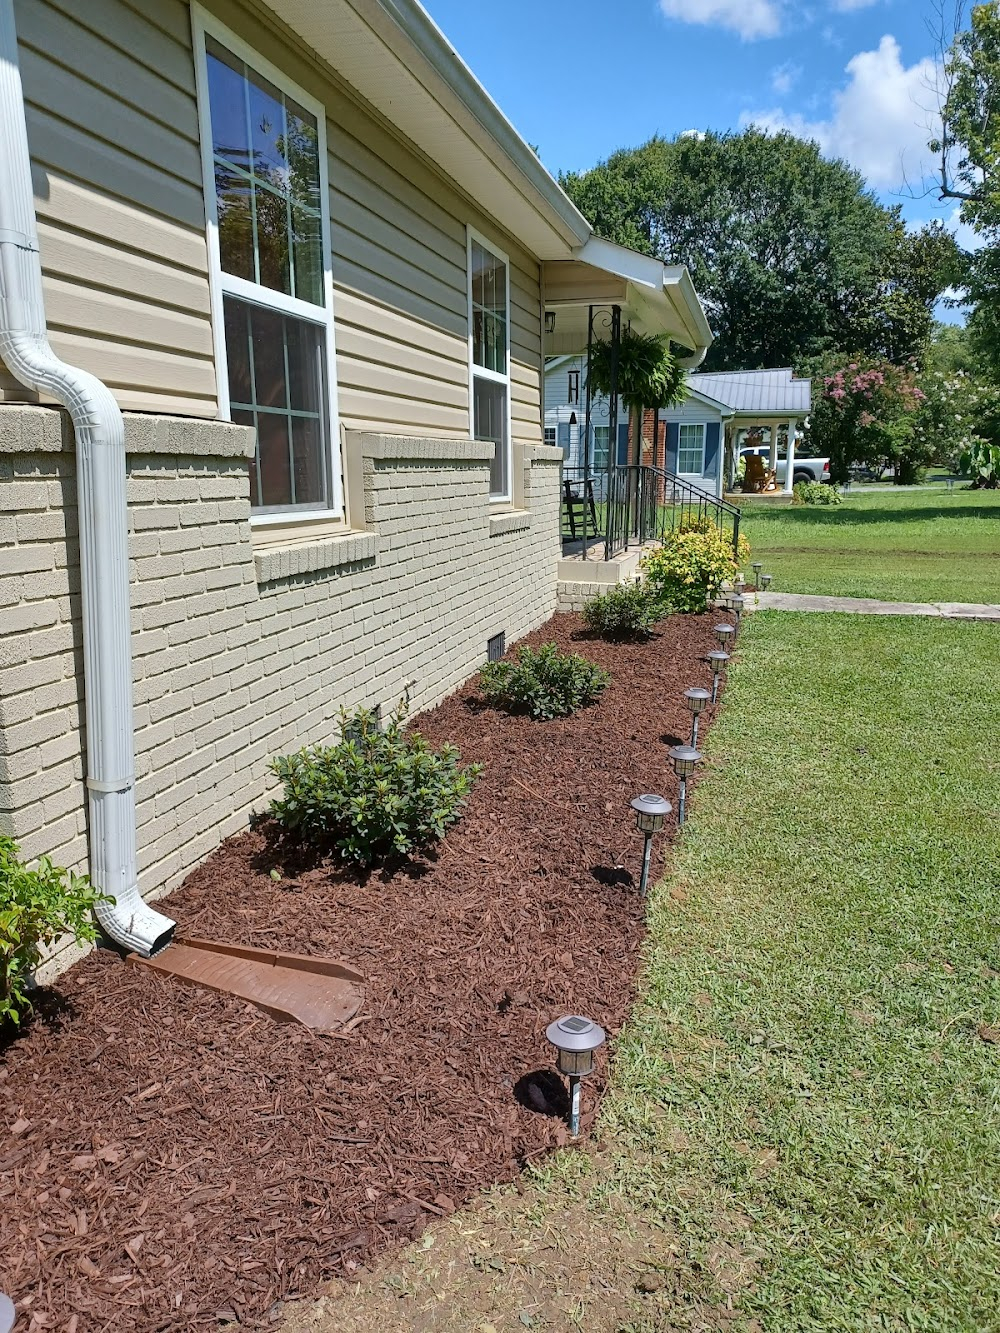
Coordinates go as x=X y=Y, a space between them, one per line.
x=807 y=517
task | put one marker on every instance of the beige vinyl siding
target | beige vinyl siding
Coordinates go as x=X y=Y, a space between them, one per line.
x=113 y=133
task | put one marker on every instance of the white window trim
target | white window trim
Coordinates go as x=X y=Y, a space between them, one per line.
x=701 y=426
x=472 y=235
x=222 y=284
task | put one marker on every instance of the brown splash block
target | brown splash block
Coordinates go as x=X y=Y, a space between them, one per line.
x=319 y=992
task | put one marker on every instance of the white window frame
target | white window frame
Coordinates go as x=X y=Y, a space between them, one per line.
x=552 y=431
x=691 y=425
x=226 y=284
x=472 y=235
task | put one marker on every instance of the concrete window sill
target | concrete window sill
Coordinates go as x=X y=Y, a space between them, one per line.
x=309 y=557
x=510 y=520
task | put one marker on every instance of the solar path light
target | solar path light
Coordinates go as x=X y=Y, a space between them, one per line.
x=650 y=813
x=718 y=660
x=757 y=566
x=696 y=700
x=765 y=580
x=685 y=759
x=576 y=1039
x=725 y=634
x=739 y=583
x=737 y=605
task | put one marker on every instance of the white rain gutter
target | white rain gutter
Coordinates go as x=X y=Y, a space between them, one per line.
x=103 y=518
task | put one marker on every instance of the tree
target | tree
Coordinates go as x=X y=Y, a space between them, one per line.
x=791 y=254
x=869 y=414
x=969 y=161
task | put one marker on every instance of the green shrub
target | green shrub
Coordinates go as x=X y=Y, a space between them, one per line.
x=815 y=493
x=691 y=565
x=36 y=908
x=381 y=792
x=545 y=683
x=628 y=611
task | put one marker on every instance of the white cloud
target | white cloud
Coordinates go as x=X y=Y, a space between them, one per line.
x=785 y=77
x=849 y=6
x=880 y=121
x=966 y=237
x=747 y=18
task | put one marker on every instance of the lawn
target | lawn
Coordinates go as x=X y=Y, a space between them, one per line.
x=802 y=1131
x=925 y=546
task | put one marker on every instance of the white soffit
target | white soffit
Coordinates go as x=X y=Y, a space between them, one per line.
x=395 y=57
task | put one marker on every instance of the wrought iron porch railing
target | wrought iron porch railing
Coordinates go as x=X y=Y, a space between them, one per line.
x=628 y=505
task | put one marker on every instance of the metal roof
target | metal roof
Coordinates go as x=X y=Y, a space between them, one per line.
x=765 y=392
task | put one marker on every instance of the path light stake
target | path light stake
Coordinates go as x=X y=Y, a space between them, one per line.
x=765 y=580
x=576 y=1039
x=725 y=635
x=718 y=659
x=685 y=759
x=650 y=812
x=739 y=583
x=737 y=606
x=757 y=566
x=696 y=700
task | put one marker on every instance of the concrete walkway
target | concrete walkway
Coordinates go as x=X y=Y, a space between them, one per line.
x=870 y=606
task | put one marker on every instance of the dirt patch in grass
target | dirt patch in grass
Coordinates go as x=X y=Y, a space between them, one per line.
x=560 y=1257
x=173 y=1159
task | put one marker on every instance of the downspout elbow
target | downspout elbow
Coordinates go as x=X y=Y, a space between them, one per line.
x=693 y=361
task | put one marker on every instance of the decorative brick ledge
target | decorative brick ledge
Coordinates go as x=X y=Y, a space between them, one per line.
x=284 y=562
x=27 y=428
x=404 y=448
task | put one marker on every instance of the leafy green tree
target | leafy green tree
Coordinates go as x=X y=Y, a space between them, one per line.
x=791 y=254
x=969 y=152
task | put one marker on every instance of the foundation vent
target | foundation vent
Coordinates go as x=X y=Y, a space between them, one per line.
x=496 y=647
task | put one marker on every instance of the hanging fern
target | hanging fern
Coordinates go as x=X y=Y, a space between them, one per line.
x=648 y=373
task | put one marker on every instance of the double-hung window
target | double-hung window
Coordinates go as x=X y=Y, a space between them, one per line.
x=691 y=447
x=489 y=356
x=264 y=149
x=601 y=436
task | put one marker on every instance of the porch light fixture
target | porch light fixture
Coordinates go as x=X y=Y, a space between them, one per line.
x=757 y=566
x=550 y=321
x=685 y=759
x=725 y=634
x=576 y=1039
x=650 y=812
x=718 y=659
x=696 y=700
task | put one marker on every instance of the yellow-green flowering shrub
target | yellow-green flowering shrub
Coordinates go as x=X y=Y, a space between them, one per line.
x=688 y=570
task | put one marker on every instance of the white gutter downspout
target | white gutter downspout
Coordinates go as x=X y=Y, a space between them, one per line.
x=103 y=517
x=694 y=361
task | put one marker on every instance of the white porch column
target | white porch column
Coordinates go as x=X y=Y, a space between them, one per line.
x=790 y=456
x=773 y=463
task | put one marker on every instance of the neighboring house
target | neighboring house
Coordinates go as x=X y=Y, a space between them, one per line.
x=306 y=254
x=697 y=439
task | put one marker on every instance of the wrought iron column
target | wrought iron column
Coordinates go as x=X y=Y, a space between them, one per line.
x=616 y=339
x=587 y=433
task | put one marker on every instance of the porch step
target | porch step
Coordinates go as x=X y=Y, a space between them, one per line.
x=579 y=580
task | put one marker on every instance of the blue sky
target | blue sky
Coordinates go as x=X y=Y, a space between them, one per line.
x=582 y=78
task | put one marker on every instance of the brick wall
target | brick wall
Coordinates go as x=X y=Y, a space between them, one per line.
x=240 y=654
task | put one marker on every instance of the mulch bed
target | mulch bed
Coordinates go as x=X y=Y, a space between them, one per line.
x=173 y=1159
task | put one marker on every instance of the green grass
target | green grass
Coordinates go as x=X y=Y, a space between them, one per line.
x=820 y=961
x=924 y=546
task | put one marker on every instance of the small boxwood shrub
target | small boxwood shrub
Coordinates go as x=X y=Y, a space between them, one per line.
x=815 y=493
x=544 y=683
x=691 y=565
x=628 y=611
x=37 y=907
x=381 y=792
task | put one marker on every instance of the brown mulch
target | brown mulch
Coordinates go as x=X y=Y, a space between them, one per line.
x=173 y=1159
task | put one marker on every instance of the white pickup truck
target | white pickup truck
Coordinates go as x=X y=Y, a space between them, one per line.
x=804 y=469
